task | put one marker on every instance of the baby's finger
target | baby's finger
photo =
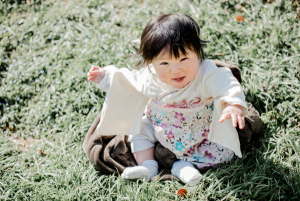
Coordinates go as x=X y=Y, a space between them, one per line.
x=234 y=120
x=221 y=119
x=241 y=122
x=224 y=117
x=92 y=73
x=94 y=68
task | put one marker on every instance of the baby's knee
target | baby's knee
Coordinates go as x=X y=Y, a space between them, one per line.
x=146 y=139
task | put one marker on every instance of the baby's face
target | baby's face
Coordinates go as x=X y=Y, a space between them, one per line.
x=176 y=72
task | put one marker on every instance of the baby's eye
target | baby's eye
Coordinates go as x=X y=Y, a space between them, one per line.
x=164 y=63
x=183 y=59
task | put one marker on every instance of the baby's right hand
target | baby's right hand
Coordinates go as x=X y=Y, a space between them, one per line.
x=96 y=74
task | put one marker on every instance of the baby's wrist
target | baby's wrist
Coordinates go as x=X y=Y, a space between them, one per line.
x=100 y=77
x=235 y=105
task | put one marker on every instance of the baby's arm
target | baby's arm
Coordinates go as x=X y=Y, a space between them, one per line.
x=236 y=113
x=96 y=74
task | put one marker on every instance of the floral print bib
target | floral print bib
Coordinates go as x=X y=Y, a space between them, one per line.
x=183 y=129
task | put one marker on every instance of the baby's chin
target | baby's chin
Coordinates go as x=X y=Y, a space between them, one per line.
x=181 y=87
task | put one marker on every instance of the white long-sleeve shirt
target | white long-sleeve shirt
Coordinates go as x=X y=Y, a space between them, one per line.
x=129 y=91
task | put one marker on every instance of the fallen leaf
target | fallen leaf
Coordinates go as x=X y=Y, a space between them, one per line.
x=182 y=192
x=240 y=18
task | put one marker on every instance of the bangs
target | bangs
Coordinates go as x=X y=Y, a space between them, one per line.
x=171 y=33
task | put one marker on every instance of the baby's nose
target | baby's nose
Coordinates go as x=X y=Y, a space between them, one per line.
x=175 y=69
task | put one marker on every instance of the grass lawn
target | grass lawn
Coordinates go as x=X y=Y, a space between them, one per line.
x=47 y=104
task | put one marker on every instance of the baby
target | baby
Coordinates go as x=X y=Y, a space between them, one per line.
x=192 y=107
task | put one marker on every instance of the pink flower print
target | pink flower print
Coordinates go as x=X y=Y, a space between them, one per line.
x=176 y=115
x=203 y=142
x=175 y=126
x=177 y=122
x=209 y=154
x=191 y=151
x=164 y=125
x=170 y=135
x=205 y=133
x=179 y=116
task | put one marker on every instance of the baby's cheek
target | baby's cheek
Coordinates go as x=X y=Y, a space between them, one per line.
x=163 y=78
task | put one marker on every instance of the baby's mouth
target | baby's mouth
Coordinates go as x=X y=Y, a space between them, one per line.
x=179 y=79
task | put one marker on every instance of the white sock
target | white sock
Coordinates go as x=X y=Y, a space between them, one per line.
x=186 y=172
x=147 y=170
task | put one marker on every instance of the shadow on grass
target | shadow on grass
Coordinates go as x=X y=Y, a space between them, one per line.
x=255 y=176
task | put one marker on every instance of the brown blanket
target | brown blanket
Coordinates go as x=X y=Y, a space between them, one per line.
x=112 y=154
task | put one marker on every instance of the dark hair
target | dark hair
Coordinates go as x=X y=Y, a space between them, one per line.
x=173 y=33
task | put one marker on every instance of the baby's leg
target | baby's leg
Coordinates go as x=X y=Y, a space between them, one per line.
x=147 y=166
x=186 y=172
x=144 y=155
x=142 y=147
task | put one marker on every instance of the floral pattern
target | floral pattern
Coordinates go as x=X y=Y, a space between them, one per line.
x=170 y=135
x=179 y=116
x=179 y=146
x=205 y=132
x=184 y=131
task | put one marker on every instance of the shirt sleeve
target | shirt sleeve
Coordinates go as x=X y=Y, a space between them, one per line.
x=105 y=82
x=222 y=86
x=125 y=101
x=137 y=78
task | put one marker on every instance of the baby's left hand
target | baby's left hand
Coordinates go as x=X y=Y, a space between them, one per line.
x=236 y=113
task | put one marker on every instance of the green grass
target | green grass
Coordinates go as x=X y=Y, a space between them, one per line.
x=47 y=105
